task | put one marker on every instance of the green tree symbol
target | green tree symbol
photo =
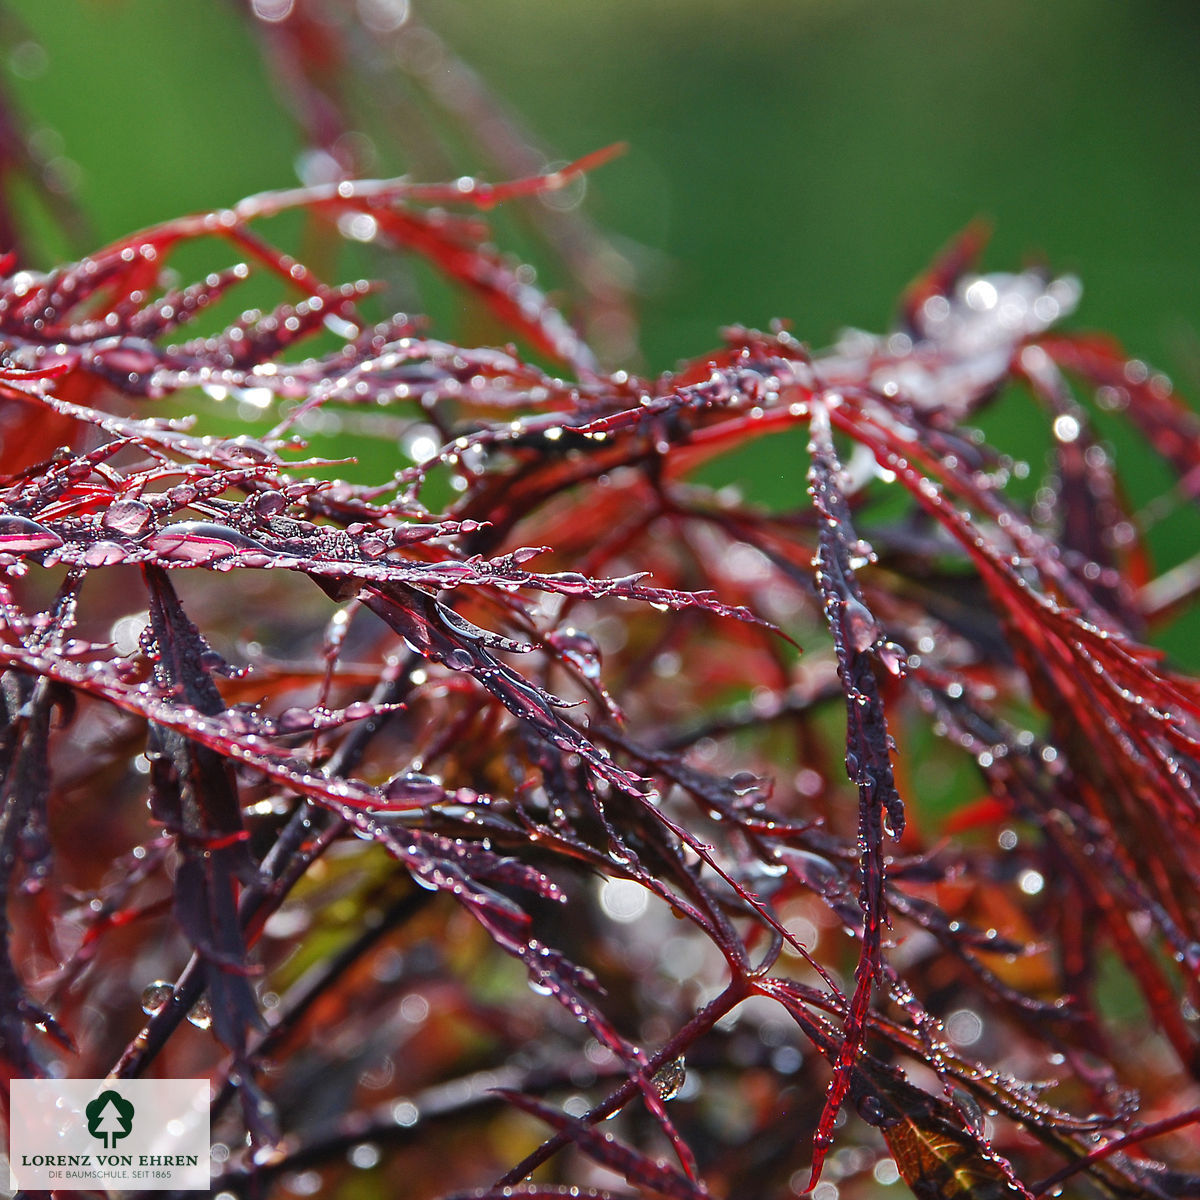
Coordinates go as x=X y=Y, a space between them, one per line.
x=110 y=1117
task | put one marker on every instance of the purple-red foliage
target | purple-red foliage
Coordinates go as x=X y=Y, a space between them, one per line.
x=328 y=768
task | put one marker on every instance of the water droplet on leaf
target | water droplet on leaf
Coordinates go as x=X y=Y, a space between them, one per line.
x=103 y=554
x=862 y=632
x=20 y=535
x=669 y=1078
x=156 y=996
x=129 y=517
x=872 y=1110
x=412 y=785
x=295 y=720
x=577 y=648
x=894 y=658
x=201 y=1014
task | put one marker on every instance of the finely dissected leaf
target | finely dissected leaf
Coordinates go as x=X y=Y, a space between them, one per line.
x=858 y=642
x=656 y=1177
x=25 y=771
x=193 y=794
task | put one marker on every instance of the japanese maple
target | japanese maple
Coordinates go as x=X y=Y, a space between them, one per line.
x=330 y=768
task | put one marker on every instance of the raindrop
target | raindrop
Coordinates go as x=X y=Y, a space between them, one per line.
x=20 y=535
x=872 y=1110
x=815 y=872
x=894 y=658
x=412 y=785
x=860 y=626
x=156 y=996
x=200 y=542
x=267 y=504
x=969 y=1108
x=248 y=447
x=669 y=1078
x=459 y=660
x=745 y=783
x=201 y=1014
x=577 y=648
x=129 y=517
x=294 y=720
x=569 y=582
x=103 y=554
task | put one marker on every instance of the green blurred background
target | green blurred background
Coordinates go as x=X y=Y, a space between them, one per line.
x=787 y=158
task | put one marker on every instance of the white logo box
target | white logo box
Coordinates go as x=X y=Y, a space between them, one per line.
x=119 y=1134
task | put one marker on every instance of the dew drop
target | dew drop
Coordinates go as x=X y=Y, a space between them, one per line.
x=815 y=872
x=460 y=660
x=412 y=785
x=569 y=582
x=577 y=648
x=268 y=504
x=103 y=554
x=969 y=1108
x=128 y=517
x=156 y=996
x=295 y=720
x=860 y=626
x=872 y=1110
x=894 y=658
x=200 y=542
x=20 y=535
x=249 y=448
x=201 y=1014
x=670 y=1078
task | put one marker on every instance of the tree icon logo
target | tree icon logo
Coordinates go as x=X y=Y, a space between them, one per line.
x=109 y=1117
